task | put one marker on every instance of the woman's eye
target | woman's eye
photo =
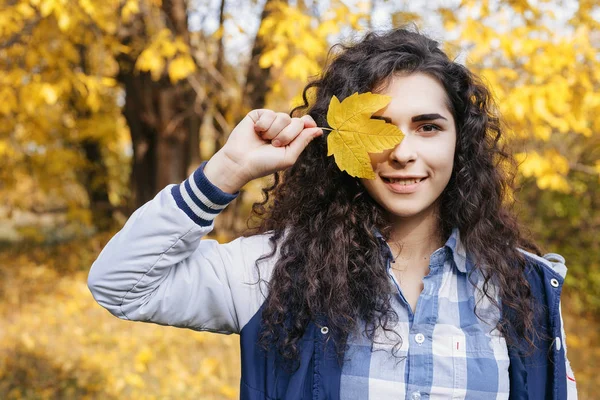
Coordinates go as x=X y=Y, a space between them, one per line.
x=430 y=128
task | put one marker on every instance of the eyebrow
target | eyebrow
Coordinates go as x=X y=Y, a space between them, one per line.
x=416 y=118
x=427 y=117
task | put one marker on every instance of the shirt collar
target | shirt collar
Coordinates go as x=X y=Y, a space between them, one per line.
x=457 y=249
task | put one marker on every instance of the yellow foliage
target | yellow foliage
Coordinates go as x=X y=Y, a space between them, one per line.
x=57 y=87
x=301 y=67
x=57 y=342
x=229 y=391
x=297 y=43
x=134 y=380
x=327 y=28
x=544 y=75
x=181 y=67
x=163 y=49
x=550 y=169
x=130 y=8
x=273 y=57
x=9 y=100
x=355 y=134
x=150 y=60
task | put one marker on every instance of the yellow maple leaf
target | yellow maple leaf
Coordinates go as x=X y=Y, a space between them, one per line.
x=354 y=133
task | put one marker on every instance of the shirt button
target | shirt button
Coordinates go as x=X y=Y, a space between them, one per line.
x=419 y=338
x=415 y=396
x=558 y=343
x=554 y=282
x=324 y=330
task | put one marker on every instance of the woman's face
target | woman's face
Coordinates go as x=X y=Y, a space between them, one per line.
x=410 y=177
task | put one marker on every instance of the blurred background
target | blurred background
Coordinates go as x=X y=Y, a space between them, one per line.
x=103 y=103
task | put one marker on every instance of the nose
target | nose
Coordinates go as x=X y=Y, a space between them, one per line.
x=405 y=152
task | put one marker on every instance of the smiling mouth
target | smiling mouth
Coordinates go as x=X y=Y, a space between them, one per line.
x=404 y=182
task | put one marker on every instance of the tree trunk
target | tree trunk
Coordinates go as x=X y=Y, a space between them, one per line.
x=162 y=124
x=162 y=120
x=96 y=185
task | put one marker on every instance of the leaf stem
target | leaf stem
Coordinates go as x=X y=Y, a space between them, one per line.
x=329 y=129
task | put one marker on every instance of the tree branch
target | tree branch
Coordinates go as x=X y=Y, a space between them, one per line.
x=584 y=168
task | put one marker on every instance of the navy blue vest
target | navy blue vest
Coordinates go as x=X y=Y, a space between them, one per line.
x=535 y=374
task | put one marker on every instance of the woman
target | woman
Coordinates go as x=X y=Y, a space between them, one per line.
x=414 y=284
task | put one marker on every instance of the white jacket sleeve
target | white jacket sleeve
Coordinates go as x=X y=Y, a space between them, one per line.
x=156 y=269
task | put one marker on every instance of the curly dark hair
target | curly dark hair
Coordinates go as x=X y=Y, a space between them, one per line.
x=321 y=219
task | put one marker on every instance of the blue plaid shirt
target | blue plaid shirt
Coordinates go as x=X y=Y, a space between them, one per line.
x=445 y=351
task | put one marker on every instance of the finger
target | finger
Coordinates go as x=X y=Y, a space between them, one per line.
x=309 y=122
x=298 y=145
x=288 y=133
x=281 y=121
x=263 y=119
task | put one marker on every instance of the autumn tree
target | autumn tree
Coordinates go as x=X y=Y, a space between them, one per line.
x=84 y=82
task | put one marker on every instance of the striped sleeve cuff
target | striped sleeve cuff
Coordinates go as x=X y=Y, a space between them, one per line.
x=199 y=198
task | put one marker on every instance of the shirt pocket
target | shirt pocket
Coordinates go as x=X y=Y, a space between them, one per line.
x=477 y=364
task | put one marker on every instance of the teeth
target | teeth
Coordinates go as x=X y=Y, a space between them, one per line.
x=405 y=181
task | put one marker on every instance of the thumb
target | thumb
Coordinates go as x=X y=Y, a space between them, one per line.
x=302 y=140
